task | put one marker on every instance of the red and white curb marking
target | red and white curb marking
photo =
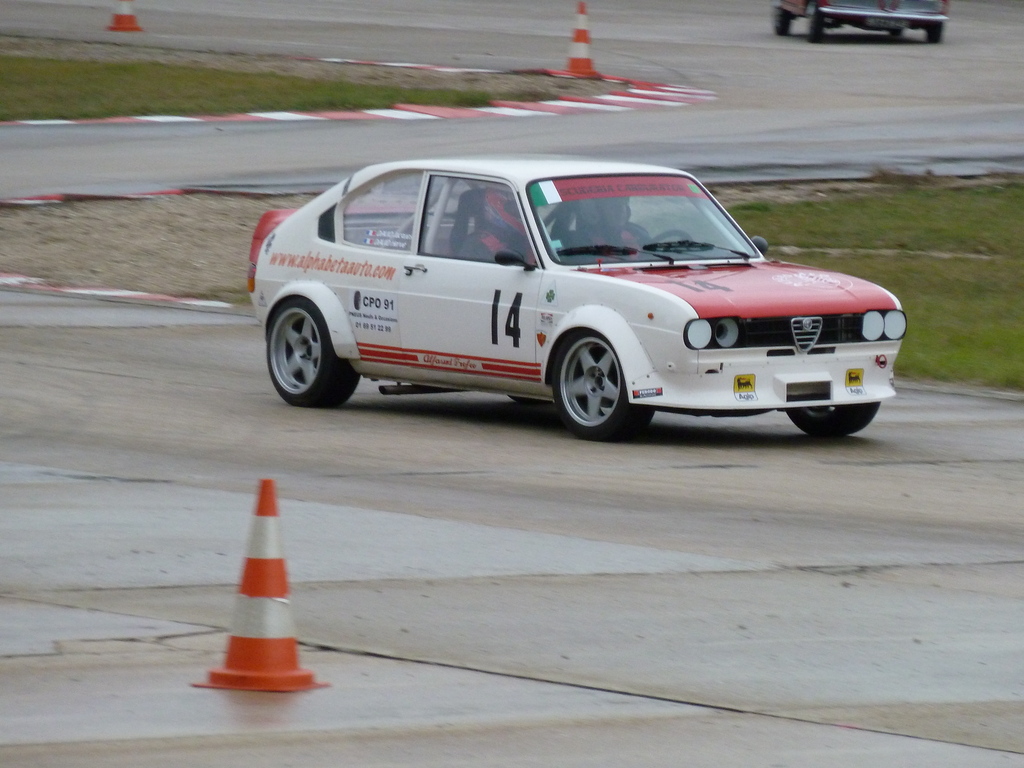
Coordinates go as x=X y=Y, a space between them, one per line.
x=637 y=94
x=25 y=283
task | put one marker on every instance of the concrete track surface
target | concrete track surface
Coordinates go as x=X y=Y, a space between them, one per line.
x=478 y=588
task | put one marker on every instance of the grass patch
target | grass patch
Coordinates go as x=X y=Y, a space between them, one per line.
x=73 y=90
x=954 y=257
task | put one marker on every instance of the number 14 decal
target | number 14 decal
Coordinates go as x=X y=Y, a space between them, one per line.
x=511 y=320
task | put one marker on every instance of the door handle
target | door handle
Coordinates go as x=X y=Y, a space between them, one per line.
x=417 y=268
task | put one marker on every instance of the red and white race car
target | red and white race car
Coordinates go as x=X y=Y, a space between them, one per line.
x=892 y=16
x=613 y=289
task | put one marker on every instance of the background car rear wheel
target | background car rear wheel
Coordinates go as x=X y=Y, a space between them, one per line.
x=816 y=30
x=782 y=19
x=833 y=421
x=303 y=366
x=590 y=393
x=933 y=33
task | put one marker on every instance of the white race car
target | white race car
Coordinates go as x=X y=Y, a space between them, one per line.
x=613 y=289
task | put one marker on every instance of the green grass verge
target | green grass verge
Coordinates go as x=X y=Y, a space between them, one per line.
x=954 y=257
x=74 y=90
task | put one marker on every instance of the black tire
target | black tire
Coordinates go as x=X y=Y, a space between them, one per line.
x=816 y=28
x=590 y=392
x=782 y=20
x=303 y=366
x=933 y=34
x=833 y=421
x=895 y=33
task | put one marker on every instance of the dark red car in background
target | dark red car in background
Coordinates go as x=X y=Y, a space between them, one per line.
x=892 y=16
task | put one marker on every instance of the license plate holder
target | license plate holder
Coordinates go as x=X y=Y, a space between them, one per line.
x=885 y=23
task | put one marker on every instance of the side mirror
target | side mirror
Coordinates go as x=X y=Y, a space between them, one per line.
x=513 y=259
x=760 y=243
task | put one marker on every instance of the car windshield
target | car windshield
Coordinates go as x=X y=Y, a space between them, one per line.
x=638 y=218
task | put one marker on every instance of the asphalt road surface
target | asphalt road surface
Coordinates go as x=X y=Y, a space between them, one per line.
x=477 y=587
x=785 y=109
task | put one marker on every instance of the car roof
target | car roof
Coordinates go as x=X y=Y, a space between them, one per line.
x=518 y=169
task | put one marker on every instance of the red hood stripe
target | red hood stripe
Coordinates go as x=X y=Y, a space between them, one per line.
x=763 y=289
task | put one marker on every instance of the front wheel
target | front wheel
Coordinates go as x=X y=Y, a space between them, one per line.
x=303 y=366
x=933 y=33
x=590 y=392
x=833 y=420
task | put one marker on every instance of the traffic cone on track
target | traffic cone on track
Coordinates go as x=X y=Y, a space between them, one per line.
x=580 y=64
x=124 y=18
x=262 y=650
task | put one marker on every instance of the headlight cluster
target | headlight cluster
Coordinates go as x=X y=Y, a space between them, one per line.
x=890 y=325
x=721 y=333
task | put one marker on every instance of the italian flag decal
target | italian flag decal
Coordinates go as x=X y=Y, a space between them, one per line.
x=544 y=193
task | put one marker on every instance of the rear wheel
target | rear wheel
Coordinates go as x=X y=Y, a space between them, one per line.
x=816 y=30
x=782 y=19
x=590 y=392
x=833 y=420
x=301 y=360
x=933 y=33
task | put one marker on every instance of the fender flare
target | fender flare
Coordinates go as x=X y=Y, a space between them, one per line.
x=632 y=356
x=342 y=338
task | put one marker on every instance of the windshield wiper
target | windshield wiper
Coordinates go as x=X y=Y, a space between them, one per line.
x=600 y=249
x=682 y=246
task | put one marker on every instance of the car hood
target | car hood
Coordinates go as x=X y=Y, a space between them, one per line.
x=763 y=289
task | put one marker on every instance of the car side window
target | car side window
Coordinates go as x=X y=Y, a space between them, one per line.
x=472 y=219
x=382 y=216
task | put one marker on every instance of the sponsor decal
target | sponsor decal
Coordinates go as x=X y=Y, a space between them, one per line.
x=744 y=387
x=855 y=381
x=649 y=392
x=269 y=242
x=811 y=280
x=317 y=262
x=882 y=361
x=541 y=338
x=547 y=318
x=558 y=190
x=551 y=296
x=450 y=361
x=388 y=238
x=262 y=300
x=374 y=311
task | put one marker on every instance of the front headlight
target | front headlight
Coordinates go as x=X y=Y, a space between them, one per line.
x=895 y=324
x=727 y=332
x=697 y=334
x=891 y=325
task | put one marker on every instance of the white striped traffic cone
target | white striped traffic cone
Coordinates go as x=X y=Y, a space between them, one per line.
x=262 y=650
x=124 y=18
x=579 y=52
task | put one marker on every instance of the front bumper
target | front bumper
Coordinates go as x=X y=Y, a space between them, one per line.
x=749 y=380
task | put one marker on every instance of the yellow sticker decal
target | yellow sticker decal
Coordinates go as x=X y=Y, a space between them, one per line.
x=855 y=381
x=744 y=386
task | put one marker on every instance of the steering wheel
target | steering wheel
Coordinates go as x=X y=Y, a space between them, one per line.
x=672 y=234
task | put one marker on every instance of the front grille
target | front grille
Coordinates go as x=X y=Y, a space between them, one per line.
x=779 y=331
x=805 y=331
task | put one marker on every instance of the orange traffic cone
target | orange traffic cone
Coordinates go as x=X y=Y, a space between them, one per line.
x=124 y=18
x=579 y=52
x=262 y=649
